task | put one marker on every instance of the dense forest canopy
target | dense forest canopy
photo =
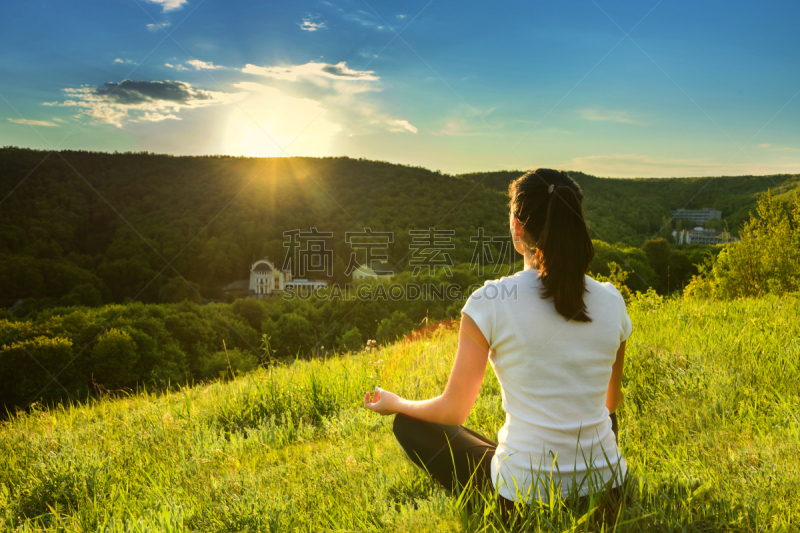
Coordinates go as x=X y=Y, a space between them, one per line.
x=93 y=228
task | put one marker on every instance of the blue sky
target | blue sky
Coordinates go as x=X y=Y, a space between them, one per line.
x=695 y=89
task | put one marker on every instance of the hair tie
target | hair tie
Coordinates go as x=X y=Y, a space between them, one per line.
x=550 y=188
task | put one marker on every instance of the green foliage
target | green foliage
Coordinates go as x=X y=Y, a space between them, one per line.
x=628 y=258
x=67 y=353
x=765 y=261
x=351 y=341
x=178 y=289
x=393 y=328
x=114 y=358
x=617 y=277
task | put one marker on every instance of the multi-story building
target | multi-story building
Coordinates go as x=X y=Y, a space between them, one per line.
x=697 y=216
x=703 y=236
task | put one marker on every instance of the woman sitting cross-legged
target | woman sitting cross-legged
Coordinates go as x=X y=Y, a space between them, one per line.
x=556 y=341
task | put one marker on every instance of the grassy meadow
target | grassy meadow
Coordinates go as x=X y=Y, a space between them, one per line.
x=710 y=428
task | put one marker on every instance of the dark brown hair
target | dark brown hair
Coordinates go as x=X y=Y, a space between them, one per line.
x=548 y=204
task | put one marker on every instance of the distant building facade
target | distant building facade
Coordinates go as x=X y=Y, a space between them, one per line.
x=703 y=236
x=697 y=216
x=266 y=280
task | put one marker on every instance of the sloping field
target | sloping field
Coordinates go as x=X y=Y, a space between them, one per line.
x=709 y=425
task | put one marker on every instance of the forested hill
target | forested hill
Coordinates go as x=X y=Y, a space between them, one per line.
x=114 y=221
x=632 y=210
x=90 y=228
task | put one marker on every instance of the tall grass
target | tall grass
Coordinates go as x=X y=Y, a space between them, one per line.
x=709 y=427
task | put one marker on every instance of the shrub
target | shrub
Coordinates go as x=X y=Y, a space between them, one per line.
x=351 y=341
x=394 y=327
x=765 y=261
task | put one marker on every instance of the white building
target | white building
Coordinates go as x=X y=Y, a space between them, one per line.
x=305 y=285
x=265 y=279
x=698 y=216
x=700 y=235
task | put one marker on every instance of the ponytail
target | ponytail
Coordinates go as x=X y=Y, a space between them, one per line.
x=548 y=203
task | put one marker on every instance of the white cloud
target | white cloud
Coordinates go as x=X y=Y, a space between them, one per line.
x=158 y=27
x=169 y=5
x=140 y=101
x=393 y=124
x=156 y=117
x=200 y=65
x=343 y=90
x=607 y=115
x=125 y=61
x=176 y=67
x=340 y=71
x=778 y=148
x=309 y=24
x=31 y=122
x=365 y=19
x=401 y=17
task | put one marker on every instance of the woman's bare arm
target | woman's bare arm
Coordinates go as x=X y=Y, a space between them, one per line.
x=614 y=394
x=452 y=407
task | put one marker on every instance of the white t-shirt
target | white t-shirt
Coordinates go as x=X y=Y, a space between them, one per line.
x=554 y=377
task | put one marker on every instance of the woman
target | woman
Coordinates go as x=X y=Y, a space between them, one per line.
x=556 y=341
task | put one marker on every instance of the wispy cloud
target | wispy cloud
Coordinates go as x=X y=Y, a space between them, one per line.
x=623 y=117
x=398 y=125
x=363 y=18
x=126 y=61
x=345 y=91
x=309 y=24
x=203 y=65
x=158 y=27
x=401 y=17
x=169 y=5
x=339 y=71
x=176 y=67
x=778 y=148
x=31 y=122
x=140 y=101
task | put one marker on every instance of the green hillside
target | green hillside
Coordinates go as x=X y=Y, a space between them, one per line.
x=709 y=428
x=94 y=228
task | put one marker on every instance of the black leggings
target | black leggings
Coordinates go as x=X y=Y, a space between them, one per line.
x=453 y=455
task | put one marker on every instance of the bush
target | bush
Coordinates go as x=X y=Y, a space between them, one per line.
x=765 y=261
x=394 y=328
x=351 y=341
x=114 y=359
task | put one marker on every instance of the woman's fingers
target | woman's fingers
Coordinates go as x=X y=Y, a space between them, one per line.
x=367 y=401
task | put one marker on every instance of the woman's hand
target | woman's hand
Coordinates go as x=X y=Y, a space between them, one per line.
x=383 y=402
